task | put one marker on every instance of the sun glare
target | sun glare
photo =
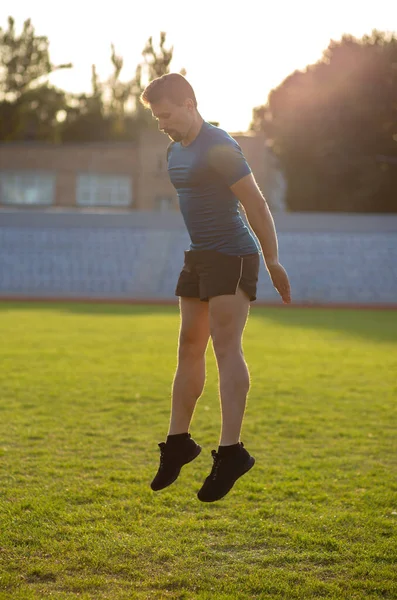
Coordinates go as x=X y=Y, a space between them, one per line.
x=233 y=57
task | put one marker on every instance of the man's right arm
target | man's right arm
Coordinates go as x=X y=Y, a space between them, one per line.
x=262 y=223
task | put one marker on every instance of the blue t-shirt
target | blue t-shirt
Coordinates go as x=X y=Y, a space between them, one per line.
x=202 y=174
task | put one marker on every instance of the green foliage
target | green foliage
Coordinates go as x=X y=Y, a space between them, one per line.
x=30 y=108
x=28 y=104
x=84 y=400
x=157 y=62
x=112 y=111
x=24 y=60
x=334 y=127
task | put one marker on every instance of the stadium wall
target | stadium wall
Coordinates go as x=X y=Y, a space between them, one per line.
x=335 y=259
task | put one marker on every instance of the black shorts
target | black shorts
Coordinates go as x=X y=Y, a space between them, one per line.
x=208 y=273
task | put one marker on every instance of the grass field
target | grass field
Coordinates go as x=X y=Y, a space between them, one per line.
x=84 y=400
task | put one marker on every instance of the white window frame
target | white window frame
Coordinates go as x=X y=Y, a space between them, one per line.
x=103 y=190
x=163 y=203
x=22 y=187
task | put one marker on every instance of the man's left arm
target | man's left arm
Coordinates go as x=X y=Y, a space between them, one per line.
x=260 y=219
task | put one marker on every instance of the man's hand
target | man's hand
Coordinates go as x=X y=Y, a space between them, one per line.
x=280 y=281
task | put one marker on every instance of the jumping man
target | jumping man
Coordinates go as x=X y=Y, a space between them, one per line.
x=218 y=279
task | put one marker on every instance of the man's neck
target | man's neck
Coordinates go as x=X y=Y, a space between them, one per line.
x=193 y=131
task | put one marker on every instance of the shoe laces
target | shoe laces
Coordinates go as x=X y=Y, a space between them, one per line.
x=217 y=461
x=162 y=454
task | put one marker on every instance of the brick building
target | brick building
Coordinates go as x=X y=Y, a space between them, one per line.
x=117 y=176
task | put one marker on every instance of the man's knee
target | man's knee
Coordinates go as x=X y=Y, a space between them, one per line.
x=226 y=343
x=231 y=362
x=191 y=345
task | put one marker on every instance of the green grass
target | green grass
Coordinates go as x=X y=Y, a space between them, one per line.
x=84 y=400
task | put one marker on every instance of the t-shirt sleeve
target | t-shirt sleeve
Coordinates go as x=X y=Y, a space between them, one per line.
x=228 y=160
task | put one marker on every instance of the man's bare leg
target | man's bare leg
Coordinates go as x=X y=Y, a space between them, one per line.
x=189 y=378
x=228 y=316
x=180 y=449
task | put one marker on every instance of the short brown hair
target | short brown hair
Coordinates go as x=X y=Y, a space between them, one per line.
x=173 y=86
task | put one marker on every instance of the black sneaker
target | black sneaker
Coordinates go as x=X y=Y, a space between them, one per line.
x=224 y=474
x=172 y=459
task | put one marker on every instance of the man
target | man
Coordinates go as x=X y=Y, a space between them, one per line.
x=218 y=279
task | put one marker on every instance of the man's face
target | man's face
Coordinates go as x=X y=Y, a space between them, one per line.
x=174 y=120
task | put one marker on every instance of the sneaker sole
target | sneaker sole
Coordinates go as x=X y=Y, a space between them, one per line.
x=171 y=481
x=248 y=467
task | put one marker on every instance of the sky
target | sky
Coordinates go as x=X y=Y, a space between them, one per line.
x=234 y=52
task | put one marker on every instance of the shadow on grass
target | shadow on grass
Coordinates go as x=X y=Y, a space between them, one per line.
x=90 y=308
x=375 y=325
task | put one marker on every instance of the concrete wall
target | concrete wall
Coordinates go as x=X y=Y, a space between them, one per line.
x=330 y=258
x=68 y=160
x=144 y=163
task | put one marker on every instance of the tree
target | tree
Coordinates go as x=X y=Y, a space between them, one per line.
x=332 y=124
x=31 y=109
x=113 y=111
x=28 y=105
x=156 y=62
x=24 y=59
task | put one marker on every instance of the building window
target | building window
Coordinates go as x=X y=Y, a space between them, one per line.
x=104 y=190
x=29 y=188
x=163 y=203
